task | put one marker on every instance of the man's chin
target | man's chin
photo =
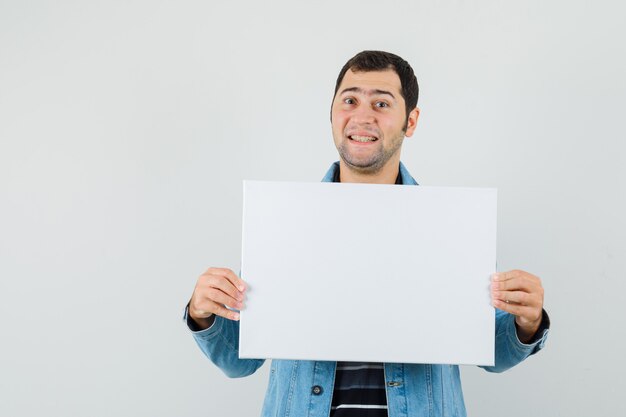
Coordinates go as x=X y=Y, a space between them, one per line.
x=363 y=166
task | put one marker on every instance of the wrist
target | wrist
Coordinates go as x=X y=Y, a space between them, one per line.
x=199 y=323
x=526 y=330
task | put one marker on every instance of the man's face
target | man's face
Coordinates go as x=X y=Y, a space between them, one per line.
x=368 y=120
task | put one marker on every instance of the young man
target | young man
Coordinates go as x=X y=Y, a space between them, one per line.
x=373 y=110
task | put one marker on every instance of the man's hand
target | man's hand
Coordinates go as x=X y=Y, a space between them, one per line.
x=521 y=294
x=216 y=289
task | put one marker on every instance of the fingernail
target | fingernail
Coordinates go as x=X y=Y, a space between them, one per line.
x=495 y=286
x=495 y=277
x=235 y=316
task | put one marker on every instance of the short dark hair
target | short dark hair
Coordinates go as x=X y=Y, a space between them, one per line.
x=380 y=61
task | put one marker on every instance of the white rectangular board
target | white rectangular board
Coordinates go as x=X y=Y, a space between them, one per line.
x=364 y=272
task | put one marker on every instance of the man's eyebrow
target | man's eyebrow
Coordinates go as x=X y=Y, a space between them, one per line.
x=373 y=92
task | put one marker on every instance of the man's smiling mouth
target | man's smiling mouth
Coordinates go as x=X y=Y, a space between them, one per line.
x=362 y=139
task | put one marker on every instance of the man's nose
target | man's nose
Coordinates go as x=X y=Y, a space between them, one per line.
x=363 y=114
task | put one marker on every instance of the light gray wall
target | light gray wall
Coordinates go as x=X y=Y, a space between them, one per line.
x=127 y=127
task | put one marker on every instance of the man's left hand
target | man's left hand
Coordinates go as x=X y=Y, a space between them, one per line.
x=521 y=294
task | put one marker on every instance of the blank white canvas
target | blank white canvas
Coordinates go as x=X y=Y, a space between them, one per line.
x=363 y=272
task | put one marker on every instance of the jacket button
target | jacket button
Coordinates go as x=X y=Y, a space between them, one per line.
x=316 y=390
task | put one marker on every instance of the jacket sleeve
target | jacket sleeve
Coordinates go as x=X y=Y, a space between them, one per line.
x=509 y=349
x=220 y=343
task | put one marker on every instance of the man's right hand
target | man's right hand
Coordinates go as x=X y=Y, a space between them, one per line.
x=215 y=290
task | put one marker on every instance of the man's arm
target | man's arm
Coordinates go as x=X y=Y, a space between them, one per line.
x=521 y=294
x=215 y=327
x=521 y=323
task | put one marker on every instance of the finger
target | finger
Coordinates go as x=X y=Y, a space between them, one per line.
x=531 y=314
x=525 y=312
x=209 y=307
x=515 y=273
x=516 y=297
x=519 y=283
x=215 y=295
x=506 y=275
x=223 y=284
x=230 y=275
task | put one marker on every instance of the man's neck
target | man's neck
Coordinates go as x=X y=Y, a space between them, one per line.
x=387 y=175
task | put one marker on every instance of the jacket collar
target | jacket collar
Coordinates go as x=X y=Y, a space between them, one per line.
x=407 y=179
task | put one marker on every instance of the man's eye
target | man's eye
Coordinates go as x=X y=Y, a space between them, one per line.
x=381 y=104
x=348 y=100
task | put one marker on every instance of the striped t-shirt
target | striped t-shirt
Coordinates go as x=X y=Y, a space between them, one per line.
x=359 y=390
x=359 y=386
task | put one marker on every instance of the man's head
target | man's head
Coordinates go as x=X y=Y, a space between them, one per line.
x=380 y=61
x=373 y=109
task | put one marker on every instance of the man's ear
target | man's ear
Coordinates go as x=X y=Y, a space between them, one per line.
x=411 y=122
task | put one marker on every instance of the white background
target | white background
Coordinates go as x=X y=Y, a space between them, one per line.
x=127 y=127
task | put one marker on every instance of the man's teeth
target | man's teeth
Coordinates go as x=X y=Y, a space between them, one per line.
x=363 y=138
